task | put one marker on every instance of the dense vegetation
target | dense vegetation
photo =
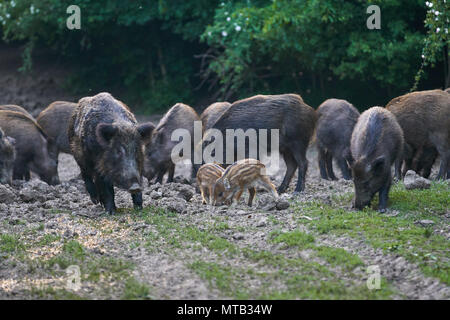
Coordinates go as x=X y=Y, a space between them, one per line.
x=155 y=53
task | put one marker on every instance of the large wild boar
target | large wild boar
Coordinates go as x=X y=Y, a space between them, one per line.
x=107 y=144
x=31 y=147
x=158 y=152
x=288 y=113
x=7 y=157
x=425 y=119
x=54 y=120
x=377 y=142
x=211 y=114
x=336 y=119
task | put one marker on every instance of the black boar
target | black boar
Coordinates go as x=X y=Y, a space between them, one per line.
x=377 y=142
x=7 y=157
x=336 y=119
x=54 y=120
x=31 y=147
x=158 y=151
x=288 y=113
x=425 y=119
x=211 y=114
x=107 y=144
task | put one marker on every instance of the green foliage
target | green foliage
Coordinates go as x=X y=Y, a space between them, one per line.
x=146 y=51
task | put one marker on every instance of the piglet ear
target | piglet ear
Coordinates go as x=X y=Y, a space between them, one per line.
x=105 y=132
x=146 y=130
x=226 y=184
x=11 y=140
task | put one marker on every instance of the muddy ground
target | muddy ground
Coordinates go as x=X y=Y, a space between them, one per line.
x=310 y=246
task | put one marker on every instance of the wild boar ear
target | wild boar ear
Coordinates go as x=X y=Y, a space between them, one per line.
x=105 y=132
x=11 y=140
x=226 y=184
x=146 y=130
x=377 y=164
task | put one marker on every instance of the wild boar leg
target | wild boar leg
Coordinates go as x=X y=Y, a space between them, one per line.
x=252 y=192
x=90 y=186
x=383 y=196
x=137 y=200
x=443 y=170
x=329 y=165
x=291 y=166
x=302 y=163
x=160 y=176
x=342 y=163
x=171 y=172
x=105 y=190
x=322 y=164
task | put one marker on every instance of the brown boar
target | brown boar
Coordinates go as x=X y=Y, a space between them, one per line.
x=158 y=151
x=377 y=142
x=425 y=119
x=54 y=120
x=336 y=119
x=107 y=144
x=7 y=157
x=31 y=147
x=243 y=174
x=287 y=113
x=207 y=176
x=211 y=114
x=13 y=107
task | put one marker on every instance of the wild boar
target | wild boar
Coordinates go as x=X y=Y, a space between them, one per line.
x=336 y=119
x=287 y=113
x=425 y=119
x=421 y=162
x=31 y=147
x=211 y=114
x=7 y=157
x=207 y=176
x=13 y=107
x=243 y=174
x=158 y=152
x=54 y=120
x=377 y=142
x=107 y=144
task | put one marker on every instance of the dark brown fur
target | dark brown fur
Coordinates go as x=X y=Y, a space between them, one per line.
x=288 y=113
x=211 y=114
x=158 y=151
x=107 y=144
x=31 y=147
x=13 y=107
x=336 y=119
x=377 y=142
x=425 y=119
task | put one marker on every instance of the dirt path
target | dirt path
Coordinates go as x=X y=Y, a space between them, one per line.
x=176 y=248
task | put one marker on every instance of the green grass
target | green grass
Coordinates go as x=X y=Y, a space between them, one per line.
x=399 y=234
x=135 y=290
x=10 y=243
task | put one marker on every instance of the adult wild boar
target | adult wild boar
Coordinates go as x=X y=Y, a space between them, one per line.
x=107 y=144
x=7 y=157
x=54 y=120
x=31 y=147
x=425 y=119
x=377 y=142
x=158 y=152
x=211 y=114
x=288 y=113
x=336 y=119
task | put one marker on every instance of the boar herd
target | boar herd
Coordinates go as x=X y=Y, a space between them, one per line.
x=113 y=150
